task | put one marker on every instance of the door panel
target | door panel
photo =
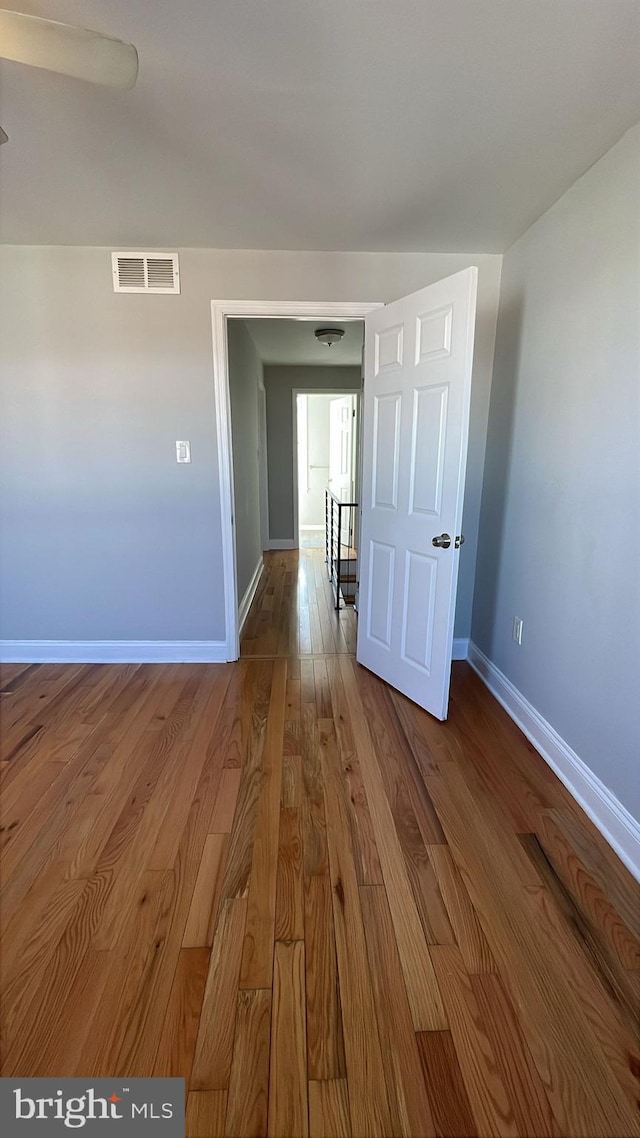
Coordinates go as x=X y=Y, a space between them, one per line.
x=421 y=572
x=417 y=391
x=381 y=580
x=428 y=437
x=386 y=443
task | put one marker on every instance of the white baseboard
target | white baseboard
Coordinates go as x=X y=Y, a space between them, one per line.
x=245 y=603
x=460 y=648
x=282 y=543
x=112 y=651
x=612 y=819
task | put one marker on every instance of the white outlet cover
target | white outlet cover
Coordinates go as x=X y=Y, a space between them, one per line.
x=183 y=451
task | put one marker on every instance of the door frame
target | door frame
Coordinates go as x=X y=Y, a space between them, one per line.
x=221 y=311
x=309 y=391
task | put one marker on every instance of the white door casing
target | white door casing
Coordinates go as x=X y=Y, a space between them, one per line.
x=417 y=394
x=221 y=310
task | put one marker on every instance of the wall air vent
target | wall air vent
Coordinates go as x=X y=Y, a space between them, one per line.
x=145 y=272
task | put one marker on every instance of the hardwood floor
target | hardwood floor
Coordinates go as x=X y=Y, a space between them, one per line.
x=330 y=913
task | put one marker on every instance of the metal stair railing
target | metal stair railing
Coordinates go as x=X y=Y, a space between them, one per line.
x=340 y=521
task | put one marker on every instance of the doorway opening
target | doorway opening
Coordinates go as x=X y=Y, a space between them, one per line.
x=259 y=481
x=327 y=463
x=418 y=362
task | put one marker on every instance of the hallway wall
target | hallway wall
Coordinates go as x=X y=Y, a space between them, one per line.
x=560 y=525
x=95 y=388
x=245 y=376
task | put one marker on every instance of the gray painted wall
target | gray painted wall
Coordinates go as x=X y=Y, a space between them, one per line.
x=280 y=383
x=245 y=375
x=560 y=525
x=104 y=535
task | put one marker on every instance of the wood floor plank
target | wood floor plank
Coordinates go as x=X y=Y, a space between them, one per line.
x=527 y=1096
x=131 y=842
x=610 y=1027
x=411 y=1112
x=28 y=964
x=52 y=686
x=56 y=1042
x=307 y=683
x=205 y=1114
x=115 y=1045
x=247 y=1105
x=102 y=776
x=368 y=1103
x=595 y=947
x=292 y=698
x=255 y=707
x=314 y=629
x=424 y=996
x=314 y=827
x=323 y=695
x=584 y=1093
x=596 y=908
x=257 y=953
x=230 y=724
x=448 y=1097
x=12 y=675
x=23 y=795
x=288 y=1091
x=289 y=922
x=476 y=954
x=329 y=1109
x=497 y=756
x=204 y=903
x=292 y=778
x=400 y=773
x=362 y=835
x=225 y=807
x=185 y=872
x=201 y=752
x=487 y=1093
x=431 y=742
x=324 y=1015
x=174 y=1057
x=214 y=1044
x=140 y=1018
x=613 y=878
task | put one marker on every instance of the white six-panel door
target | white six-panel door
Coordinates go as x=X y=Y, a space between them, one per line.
x=417 y=393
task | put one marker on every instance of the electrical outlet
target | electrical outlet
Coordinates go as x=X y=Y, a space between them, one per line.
x=517 y=630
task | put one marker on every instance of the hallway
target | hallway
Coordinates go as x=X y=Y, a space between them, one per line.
x=330 y=913
x=293 y=611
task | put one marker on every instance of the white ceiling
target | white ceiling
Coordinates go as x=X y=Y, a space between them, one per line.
x=396 y=125
x=293 y=342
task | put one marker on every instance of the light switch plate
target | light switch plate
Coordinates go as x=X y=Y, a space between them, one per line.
x=183 y=451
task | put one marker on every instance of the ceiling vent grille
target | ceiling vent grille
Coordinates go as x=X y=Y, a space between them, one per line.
x=145 y=272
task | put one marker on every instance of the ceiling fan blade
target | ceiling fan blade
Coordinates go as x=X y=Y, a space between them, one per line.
x=68 y=50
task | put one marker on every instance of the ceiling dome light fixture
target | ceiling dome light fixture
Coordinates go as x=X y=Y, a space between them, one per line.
x=329 y=336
